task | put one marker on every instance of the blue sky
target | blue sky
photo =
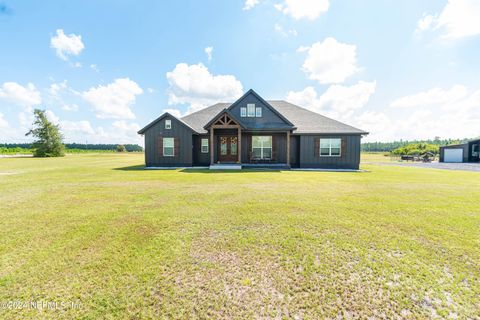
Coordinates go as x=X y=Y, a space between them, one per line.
x=103 y=69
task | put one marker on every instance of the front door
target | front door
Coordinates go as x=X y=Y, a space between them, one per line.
x=228 y=149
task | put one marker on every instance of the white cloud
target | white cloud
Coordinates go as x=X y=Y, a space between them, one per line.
x=425 y=23
x=27 y=96
x=70 y=107
x=82 y=127
x=66 y=45
x=113 y=100
x=56 y=88
x=435 y=96
x=126 y=127
x=298 y=9
x=278 y=28
x=208 y=51
x=458 y=19
x=150 y=90
x=451 y=113
x=174 y=112
x=195 y=85
x=378 y=124
x=118 y=132
x=26 y=117
x=249 y=4
x=3 y=121
x=339 y=102
x=330 y=61
x=94 y=68
x=52 y=117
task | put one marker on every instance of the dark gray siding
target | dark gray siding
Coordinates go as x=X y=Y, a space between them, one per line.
x=461 y=146
x=279 y=146
x=294 y=151
x=268 y=120
x=199 y=158
x=183 y=134
x=350 y=158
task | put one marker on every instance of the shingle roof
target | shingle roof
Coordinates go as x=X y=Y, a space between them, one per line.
x=304 y=120
x=308 y=121
x=199 y=119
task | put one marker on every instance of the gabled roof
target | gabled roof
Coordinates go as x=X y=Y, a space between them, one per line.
x=200 y=118
x=224 y=111
x=256 y=95
x=302 y=120
x=166 y=114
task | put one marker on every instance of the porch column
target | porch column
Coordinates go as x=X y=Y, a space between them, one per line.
x=239 y=145
x=211 y=145
x=288 y=148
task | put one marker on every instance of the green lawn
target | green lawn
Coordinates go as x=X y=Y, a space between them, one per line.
x=122 y=242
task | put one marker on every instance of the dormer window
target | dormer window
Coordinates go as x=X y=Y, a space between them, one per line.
x=251 y=110
x=243 y=112
x=168 y=124
x=258 y=112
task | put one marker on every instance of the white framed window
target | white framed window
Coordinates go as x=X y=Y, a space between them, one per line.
x=204 y=145
x=258 y=112
x=262 y=147
x=168 y=124
x=330 y=147
x=243 y=112
x=251 y=110
x=168 y=147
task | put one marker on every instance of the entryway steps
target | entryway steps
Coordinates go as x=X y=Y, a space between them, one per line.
x=226 y=166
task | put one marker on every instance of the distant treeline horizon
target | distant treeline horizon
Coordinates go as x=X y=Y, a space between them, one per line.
x=80 y=146
x=390 y=146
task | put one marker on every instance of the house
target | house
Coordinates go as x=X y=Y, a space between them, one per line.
x=252 y=132
x=465 y=152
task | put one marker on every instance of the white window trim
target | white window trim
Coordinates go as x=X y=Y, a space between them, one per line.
x=204 y=145
x=251 y=106
x=168 y=124
x=258 y=112
x=173 y=147
x=262 y=147
x=243 y=112
x=329 y=148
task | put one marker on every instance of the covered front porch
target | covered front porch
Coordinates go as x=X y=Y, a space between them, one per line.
x=231 y=144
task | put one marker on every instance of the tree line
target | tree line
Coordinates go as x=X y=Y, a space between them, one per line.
x=390 y=146
x=78 y=146
x=49 y=141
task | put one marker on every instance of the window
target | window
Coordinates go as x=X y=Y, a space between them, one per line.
x=243 y=112
x=475 y=150
x=251 y=110
x=330 y=147
x=258 y=112
x=223 y=146
x=204 y=145
x=233 y=146
x=168 y=124
x=262 y=147
x=168 y=145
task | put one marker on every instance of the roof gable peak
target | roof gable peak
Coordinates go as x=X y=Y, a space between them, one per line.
x=265 y=102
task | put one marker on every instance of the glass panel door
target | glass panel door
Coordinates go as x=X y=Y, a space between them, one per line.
x=228 y=149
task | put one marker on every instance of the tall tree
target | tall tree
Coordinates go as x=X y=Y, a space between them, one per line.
x=49 y=138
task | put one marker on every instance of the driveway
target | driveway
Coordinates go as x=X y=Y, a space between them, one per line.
x=434 y=165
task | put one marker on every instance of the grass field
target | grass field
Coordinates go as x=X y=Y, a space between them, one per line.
x=120 y=242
